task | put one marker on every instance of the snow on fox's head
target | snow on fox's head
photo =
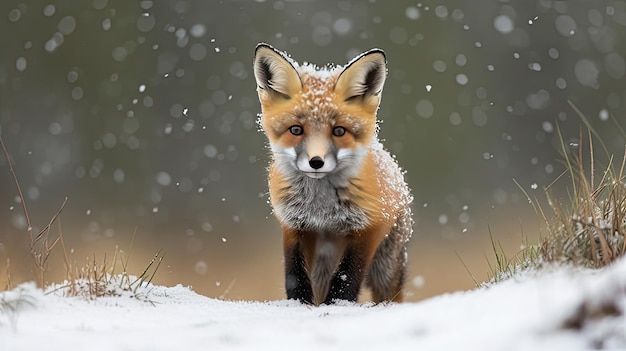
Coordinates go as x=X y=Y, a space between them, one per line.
x=319 y=121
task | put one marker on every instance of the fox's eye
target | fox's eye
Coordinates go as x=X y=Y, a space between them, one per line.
x=339 y=131
x=296 y=130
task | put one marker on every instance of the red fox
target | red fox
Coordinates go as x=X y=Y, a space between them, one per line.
x=340 y=198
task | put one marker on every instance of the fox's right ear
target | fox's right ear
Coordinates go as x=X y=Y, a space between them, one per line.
x=364 y=77
x=275 y=73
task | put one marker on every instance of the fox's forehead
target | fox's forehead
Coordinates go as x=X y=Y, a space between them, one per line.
x=317 y=100
x=316 y=90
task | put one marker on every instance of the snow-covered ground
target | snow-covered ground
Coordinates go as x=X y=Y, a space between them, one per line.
x=560 y=310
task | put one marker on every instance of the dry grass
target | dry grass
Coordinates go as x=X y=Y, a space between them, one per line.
x=504 y=267
x=9 y=282
x=41 y=245
x=91 y=280
x=96 y=279
x=587 y=228
x=109 y=278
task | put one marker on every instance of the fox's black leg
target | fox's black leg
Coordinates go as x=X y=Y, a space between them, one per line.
x=346 y=283
x=297 y=282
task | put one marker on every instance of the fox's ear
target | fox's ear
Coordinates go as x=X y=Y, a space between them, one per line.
x=275 y=72
x=364 y=76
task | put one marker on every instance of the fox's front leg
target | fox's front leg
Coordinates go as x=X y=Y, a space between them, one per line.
x=297 y=283
x=346 y=283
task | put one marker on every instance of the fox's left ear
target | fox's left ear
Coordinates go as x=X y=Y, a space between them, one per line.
x=363 y=77
x=275 y=73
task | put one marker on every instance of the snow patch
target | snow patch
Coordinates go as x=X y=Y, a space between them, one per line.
x=560 y=310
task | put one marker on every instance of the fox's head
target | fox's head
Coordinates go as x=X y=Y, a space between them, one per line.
x=319 y=121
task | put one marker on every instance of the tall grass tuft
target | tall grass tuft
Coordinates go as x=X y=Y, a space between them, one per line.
x=587 y=228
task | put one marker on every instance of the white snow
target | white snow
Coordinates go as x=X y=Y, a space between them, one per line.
x=527 y=313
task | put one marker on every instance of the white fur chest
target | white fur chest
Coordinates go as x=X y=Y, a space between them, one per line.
x=315 y=205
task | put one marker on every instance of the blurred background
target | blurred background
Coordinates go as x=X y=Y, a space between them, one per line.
x=143 y=114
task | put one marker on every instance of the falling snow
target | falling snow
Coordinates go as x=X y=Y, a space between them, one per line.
x=144 y=115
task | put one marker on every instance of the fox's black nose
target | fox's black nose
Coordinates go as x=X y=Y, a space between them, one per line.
x=316 y=162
